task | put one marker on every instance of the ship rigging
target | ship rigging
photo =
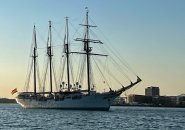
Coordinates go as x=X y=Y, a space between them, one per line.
x=69 y=93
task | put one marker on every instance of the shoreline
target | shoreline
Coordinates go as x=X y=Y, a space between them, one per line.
x=147 y=105
x=7 y=100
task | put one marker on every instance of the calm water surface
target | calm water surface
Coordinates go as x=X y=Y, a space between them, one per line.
x=12 y=116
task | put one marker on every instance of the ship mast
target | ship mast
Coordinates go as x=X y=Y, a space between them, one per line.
x=49 y=53
x=86 y=40
x=66 y=49
x=34 y=59
x=88 y=50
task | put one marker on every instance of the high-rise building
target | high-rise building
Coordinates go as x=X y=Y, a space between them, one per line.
x=152 y=91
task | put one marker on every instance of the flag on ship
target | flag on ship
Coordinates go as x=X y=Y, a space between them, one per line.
x=14 y=91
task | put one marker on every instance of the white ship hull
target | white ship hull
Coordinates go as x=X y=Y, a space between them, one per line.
x=90 y=102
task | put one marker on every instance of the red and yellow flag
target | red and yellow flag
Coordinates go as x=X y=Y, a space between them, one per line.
x=14 y=91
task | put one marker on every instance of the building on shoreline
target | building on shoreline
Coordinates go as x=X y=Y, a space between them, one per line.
x=167 y=101
x=181 y=99
x=152 y=97
x=152 y=91
x=118 y=101
x=134 y=99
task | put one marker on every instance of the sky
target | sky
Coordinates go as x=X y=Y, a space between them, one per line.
x=150 y=35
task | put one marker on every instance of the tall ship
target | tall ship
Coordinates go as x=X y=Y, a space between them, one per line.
x=74 y=91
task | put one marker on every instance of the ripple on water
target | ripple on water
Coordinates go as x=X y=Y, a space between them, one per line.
x=118 y=118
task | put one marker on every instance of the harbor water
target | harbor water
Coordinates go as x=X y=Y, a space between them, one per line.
x=14 y=117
